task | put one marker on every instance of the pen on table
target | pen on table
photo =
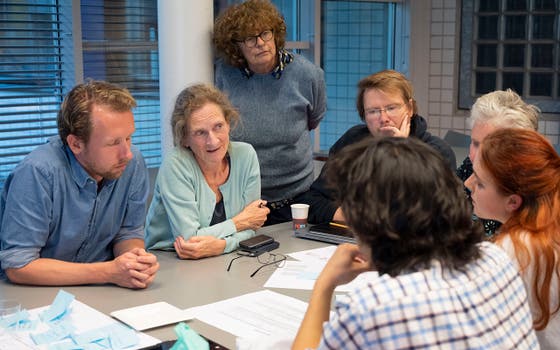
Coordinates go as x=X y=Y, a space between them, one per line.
x=337 y=224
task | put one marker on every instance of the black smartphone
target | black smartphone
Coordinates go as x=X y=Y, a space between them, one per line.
x=255 y=242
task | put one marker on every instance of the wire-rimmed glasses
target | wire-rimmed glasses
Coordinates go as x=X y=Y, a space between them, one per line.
x=251 y=40
x=270 y=259
x=392 y=111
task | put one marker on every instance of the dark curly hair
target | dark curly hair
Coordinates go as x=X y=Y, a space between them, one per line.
x=242 y=20
x=402 y=200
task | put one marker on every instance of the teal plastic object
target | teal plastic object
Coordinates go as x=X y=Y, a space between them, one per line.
x=187 y=339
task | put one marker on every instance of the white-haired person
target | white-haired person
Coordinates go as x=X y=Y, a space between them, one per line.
x=492 y=111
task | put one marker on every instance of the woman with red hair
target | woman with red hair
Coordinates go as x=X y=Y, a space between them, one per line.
x=516 y=181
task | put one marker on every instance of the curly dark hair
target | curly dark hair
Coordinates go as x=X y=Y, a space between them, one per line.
x=242 y=20
x=402 y=200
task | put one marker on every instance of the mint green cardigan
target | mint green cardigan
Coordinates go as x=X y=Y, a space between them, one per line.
x=183 y=203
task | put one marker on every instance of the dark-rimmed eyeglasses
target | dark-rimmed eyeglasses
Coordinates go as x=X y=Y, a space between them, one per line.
x=251 y=41
x=267 y=260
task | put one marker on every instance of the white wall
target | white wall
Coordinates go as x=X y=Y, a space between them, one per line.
x=185 y=54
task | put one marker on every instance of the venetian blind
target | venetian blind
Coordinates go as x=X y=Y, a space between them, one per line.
x=120 y=46
x=30 y=78
x=41 y=59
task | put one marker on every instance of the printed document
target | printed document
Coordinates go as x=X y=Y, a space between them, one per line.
x=263 y=313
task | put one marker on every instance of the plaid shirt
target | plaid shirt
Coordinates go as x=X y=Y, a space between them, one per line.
x=483 y=307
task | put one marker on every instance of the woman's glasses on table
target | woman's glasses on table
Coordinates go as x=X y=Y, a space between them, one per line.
x=265 y=260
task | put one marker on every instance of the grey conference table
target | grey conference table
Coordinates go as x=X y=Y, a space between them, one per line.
x=183 y=283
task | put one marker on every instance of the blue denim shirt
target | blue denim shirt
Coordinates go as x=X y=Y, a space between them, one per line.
x=51 y=208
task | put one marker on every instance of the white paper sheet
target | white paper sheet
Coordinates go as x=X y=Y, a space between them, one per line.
x=152 y=315
x=263 y=313
x=294 y=275
x=11 y=341
x=317 y=255
x=302 y=275
x=83 y=317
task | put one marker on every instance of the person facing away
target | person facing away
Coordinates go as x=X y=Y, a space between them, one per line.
x=280 y=95
x=427 y=279
x=386 y=104
x=72 y=212
x=492 y=111
x=516 y=181
x=206 y=196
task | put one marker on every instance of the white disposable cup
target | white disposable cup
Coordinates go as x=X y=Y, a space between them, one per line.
x=299 y=216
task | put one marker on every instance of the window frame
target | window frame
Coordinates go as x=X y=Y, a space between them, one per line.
x=468 y=53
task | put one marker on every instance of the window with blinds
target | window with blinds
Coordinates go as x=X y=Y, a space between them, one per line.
x=120 y=46
x=42 y=55
x=30 y=78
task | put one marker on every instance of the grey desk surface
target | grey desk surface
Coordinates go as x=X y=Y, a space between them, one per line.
x=183 y=283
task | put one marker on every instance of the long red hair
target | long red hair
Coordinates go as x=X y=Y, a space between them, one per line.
x=523 y=162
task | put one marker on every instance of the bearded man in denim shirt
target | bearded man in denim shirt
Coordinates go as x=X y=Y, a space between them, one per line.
x=72 y=212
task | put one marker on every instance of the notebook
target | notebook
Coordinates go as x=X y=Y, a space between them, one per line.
x=328 y=233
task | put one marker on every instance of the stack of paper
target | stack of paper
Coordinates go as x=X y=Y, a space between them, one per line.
x=303 y=273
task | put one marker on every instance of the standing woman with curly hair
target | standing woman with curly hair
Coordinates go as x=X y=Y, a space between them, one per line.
x=516 y=180
x=280 y=96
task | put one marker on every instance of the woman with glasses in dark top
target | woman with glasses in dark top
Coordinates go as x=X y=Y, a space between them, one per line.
x=280 y=96
x=387 y=107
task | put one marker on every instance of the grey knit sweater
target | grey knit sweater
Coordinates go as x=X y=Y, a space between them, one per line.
x=276 y=117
